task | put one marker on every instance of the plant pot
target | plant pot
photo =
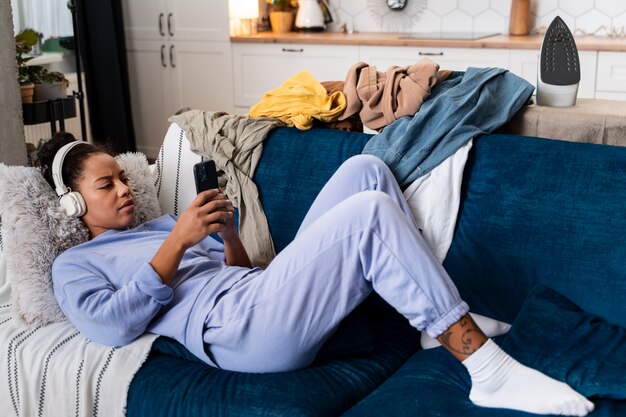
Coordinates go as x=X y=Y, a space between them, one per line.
x=44 y=92
x=27 y=90
x=282 y=22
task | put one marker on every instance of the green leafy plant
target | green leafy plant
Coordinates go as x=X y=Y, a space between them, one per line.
x=24 y=42
x=282 y=5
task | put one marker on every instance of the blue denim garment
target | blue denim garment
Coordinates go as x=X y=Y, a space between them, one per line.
x=460 y=108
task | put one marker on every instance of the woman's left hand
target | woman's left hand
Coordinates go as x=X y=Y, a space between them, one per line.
x=229 y=231
x=234 y=250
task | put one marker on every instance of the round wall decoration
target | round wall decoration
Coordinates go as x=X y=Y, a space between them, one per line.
x=396 y=15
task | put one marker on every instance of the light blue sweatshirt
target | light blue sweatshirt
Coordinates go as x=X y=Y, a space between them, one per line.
x=108 y=290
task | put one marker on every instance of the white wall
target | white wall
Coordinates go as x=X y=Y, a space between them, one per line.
x=477 y=15
x=12 y=146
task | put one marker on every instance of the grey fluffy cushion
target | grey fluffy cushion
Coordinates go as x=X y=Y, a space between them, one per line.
x=34 y=231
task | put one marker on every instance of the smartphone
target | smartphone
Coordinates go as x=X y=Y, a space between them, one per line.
x=205 y=175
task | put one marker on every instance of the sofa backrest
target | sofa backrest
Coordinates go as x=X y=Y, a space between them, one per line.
x=293 y=168
x=541 y=211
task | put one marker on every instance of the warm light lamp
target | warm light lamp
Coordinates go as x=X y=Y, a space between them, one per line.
x=243 y=15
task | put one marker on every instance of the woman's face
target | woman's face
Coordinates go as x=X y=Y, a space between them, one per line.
x=104 y=186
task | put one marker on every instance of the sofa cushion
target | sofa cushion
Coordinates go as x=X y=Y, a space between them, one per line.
x=433 y=383
x=555 y=336
x=173 y=383
x=541 y=211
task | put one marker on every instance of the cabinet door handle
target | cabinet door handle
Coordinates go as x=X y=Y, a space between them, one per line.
x=169 y=24
x=293 y=50
x=172 y=64
x=163 y=64
x=161 y=24
x=430 y=53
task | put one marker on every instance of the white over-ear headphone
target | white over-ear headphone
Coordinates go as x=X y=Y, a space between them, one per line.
x=72 y=203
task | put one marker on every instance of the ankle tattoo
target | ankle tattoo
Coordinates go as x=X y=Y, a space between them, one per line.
x=463 y=338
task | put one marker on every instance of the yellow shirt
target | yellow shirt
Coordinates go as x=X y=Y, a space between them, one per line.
x=298 y=101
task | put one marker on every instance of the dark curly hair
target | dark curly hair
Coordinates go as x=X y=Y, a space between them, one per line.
x=73 y=167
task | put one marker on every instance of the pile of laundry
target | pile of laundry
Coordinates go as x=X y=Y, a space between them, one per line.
x=425 y=117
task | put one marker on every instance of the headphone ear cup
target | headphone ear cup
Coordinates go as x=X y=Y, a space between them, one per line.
x=73 y=204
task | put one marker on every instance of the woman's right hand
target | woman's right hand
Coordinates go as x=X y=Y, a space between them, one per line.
x=208 y=213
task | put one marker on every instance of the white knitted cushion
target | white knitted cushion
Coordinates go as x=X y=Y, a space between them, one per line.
x=174 y=171
x=34 y=231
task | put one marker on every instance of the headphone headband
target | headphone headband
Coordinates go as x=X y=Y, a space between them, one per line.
x=57 y=165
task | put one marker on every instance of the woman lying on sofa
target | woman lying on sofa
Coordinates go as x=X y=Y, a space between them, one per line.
x=170 y=277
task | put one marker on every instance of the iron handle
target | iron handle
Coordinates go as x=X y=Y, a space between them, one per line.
x=430 y=53
x=169 y=24
x=293 y=50
x=163 y=64
x=172 y=64
x=161 y=24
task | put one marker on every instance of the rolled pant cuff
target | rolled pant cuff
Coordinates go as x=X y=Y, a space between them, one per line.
x=443 y=323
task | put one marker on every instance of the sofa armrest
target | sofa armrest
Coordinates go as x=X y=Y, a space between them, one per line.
x=173 y=172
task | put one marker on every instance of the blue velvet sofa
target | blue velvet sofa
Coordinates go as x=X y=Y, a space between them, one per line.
x=540 y=242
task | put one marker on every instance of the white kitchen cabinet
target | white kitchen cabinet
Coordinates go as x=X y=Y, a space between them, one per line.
x=202 y=75
x=179 y=55
x=524 y=63
x=180 y=20
x=259 y=68
x=457 y=59
x=611 y=74
x=150 y=92
x=167 y=77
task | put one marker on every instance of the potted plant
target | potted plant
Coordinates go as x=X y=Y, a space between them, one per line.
x=282 y=15
x=50 y=85
x=27 y=75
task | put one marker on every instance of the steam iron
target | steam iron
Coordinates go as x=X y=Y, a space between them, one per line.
x=558 y=74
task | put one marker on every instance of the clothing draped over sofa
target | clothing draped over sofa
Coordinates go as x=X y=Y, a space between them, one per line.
x=461 y=108
x=381 y=98
x=427 y=152
x=235 y=144
x=299 y=101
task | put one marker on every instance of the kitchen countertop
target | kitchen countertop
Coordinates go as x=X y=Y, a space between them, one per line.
x=584 y=43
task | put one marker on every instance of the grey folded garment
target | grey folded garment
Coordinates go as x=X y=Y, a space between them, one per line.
x=235 y=143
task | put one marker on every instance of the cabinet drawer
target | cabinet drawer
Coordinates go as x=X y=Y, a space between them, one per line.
x=611 y=72
x=448 y=58
x=260 y=68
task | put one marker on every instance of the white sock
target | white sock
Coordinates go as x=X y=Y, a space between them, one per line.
x=499 y=381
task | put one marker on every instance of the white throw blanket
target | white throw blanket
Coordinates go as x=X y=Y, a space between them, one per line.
x=54 y=371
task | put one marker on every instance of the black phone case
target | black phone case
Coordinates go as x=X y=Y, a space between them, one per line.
x=205 y=175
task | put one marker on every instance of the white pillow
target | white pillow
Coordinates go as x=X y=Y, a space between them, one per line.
x=174 y=170
x=490 y=327
x=34 y=231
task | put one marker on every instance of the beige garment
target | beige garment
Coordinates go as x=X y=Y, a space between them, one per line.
x=381 y=98
x=590 y=120
x=235 y=143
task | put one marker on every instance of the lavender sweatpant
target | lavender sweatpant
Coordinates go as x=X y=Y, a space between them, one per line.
x=358 y=236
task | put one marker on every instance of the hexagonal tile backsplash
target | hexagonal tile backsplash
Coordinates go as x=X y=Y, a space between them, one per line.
x=599 y=16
